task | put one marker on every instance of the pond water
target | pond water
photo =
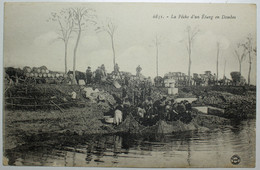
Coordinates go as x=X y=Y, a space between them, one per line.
x=187 y=149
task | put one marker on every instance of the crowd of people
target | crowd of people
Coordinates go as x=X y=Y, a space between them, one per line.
x=149 y=111
x=136 y=98
x=100 y=74
x=97 y=75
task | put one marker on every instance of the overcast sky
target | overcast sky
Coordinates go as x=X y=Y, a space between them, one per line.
x=29 y=40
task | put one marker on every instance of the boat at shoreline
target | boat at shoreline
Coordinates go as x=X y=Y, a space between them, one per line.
x=200 y=122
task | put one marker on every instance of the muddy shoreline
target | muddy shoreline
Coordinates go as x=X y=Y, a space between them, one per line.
x=21 y=125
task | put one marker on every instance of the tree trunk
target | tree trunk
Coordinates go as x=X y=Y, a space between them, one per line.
x=189 y=62
x=66 y=47
x=157 y=61
x=217 y=61
x=189 y=70
x=75 y=52
x=249 y=71
x=114 y=54
x=240 y=63
x=217 y=71
x=224 y=75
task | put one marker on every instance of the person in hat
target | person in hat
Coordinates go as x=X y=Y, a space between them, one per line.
x=138 y=71
x=98 y=75
x=118 y=115
x=103 y=69
x=124 y=91
x=116 y=69
x=159 y=107
x=89 y=75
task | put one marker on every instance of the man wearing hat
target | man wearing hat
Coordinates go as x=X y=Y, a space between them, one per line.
x=89 y=75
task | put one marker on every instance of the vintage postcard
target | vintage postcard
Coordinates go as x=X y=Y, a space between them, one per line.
x=129 y=85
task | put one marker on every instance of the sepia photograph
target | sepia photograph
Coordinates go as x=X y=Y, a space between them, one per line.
x=127 y=84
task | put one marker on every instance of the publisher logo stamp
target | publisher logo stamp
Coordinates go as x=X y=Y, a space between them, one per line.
x=235 y=160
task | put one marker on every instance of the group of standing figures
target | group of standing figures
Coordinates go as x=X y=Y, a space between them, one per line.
x=149 y=111
x=100 y=75
x=136 y=98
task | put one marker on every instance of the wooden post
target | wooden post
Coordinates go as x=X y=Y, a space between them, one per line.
x=57 y=106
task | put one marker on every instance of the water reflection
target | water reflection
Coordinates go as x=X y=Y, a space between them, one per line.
x=186 y=149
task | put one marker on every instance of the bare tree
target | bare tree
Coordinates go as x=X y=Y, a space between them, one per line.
x=81 y=17
x=110 y=29
x=248 y=46
x=224 y=72
x=66 y=24
x=157 y=43
x=218 y=48
x=241 y=55
x=191 y=35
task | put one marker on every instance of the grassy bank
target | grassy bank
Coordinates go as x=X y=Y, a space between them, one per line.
x=22 y=124
x=237 y=101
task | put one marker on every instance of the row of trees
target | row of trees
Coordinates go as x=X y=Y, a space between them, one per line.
x=76 y=20
x=72 y=20
x=244 y=50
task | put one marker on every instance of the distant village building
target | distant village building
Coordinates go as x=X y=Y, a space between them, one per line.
x=169 y=83
x=179 y=78
x=207 y=73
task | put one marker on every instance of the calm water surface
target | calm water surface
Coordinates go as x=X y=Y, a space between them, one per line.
x=189 y=149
